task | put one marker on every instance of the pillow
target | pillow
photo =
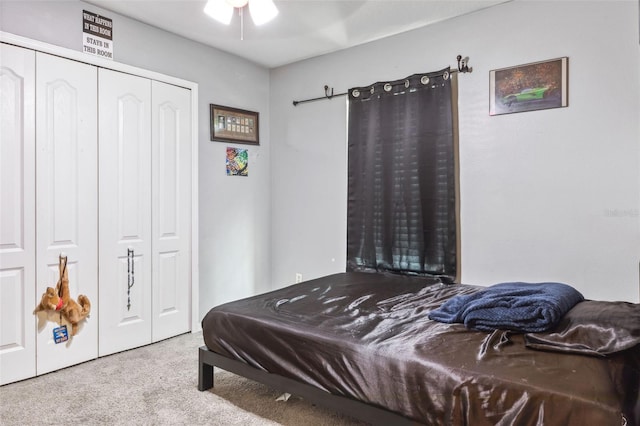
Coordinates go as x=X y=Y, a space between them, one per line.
x=592 y=328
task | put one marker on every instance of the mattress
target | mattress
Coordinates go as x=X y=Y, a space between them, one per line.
x=368 y=337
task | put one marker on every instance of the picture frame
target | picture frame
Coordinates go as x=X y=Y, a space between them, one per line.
x=234 y=125
x=529 y=87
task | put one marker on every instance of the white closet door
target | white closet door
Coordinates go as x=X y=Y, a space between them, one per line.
x=66 y=200
x=171 y=153
x=125 y=211
x=17 y=214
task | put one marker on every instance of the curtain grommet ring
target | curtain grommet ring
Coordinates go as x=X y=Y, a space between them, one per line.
x=445 y=75
x=424 y=79
x=387 y=87
x=355 y=93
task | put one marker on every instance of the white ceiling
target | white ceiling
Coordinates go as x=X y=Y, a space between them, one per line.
x=302 y=29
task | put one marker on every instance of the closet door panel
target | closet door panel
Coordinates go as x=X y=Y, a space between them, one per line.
x=66 y=201
x=171 y=154
x=125 y=211
x=17 y=214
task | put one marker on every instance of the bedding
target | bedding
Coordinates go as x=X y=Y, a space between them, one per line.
x=593 y=328
x=525 y=307
x=368 y=337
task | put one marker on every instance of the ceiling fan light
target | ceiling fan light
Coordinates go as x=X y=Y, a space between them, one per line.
x=219 y=10
x=237 y=3
x=262 y=11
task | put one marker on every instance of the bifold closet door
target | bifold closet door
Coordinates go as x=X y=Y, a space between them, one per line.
x=171 y=166
x=66 y=201
x=125 y=211
x=17 y=214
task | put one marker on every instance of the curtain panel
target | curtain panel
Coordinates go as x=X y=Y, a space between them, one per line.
x=401 y=214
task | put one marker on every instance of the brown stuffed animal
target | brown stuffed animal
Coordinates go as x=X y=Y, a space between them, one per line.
x=59 y=299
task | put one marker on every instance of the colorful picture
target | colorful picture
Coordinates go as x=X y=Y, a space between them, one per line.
x=237 y=162
x=530 y=87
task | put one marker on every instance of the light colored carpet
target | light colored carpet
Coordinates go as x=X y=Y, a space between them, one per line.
x=153 y=385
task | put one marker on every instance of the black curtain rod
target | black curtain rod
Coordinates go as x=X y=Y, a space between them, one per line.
x=328 y=92
x=326 y=96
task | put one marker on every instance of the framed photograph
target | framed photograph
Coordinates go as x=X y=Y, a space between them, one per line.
x=234 y=125
x=530 y=87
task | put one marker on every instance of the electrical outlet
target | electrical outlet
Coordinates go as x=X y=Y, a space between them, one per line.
x=298 y=277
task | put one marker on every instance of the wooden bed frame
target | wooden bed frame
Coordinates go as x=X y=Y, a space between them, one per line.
x=207 y=360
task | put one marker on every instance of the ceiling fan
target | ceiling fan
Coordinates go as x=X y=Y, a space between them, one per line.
x=262 y=11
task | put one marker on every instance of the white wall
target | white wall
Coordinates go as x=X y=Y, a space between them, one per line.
x=234 y=211
x=545 y=195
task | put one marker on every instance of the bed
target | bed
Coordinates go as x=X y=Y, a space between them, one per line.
x=363 y=344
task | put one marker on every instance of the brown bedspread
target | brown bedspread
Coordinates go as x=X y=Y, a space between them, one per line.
x=368 y=337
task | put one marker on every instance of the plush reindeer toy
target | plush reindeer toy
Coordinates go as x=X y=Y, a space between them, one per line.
x=59 y=299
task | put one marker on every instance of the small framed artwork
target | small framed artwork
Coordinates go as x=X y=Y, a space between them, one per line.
x=237 y=162
x=529 y=87
x=234 y=125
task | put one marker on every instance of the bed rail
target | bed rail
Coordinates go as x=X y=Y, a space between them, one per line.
x=350 y=407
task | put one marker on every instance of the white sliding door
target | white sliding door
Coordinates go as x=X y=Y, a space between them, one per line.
x=17 y=214
x=66 y=201
x=125 y=211
x=171 y=153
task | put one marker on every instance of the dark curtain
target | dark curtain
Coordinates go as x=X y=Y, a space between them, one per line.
x=402 y=196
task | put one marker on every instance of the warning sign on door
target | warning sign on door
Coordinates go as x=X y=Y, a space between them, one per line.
x=97 y=35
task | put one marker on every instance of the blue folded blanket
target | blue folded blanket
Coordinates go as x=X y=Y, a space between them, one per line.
x=522 y=307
